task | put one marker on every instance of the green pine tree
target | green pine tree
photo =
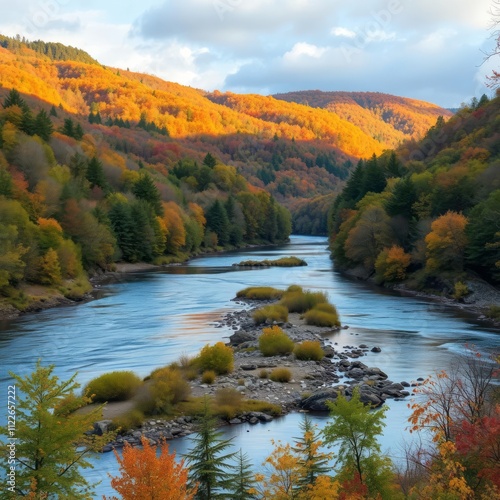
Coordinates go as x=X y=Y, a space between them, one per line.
x=79 y=132
x=68 y=127
x=209 y=161
x=145 y=189
x=373 y=177
x=244 y=479
x=48 y=462
x=95 y=174
x=402 y=199
x=208 y=461
x=14 y=99
x=43 y=125
x=218 y=222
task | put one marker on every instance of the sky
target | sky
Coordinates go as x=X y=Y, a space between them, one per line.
x=424 y=49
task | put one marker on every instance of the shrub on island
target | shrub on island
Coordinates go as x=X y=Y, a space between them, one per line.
x=113 y=386
x=218 y=357
x=274 y=342
x=309 y=350
x=260 y=293
x=295 y=299
x=322 y=315
x=282 y=375
x=274 y=312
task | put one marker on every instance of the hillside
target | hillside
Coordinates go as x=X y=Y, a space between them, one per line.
x=428 y=214
x=292 y=150
x=386 y=118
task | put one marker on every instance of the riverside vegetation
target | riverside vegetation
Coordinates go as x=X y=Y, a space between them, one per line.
x=425 y=216
x=459 y=408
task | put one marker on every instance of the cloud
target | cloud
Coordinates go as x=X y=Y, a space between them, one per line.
x=343 y=32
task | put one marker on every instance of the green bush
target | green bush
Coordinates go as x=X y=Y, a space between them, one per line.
x=260 y=293
x=274 y=341
x=318 y=317
x=113 y=386
x=309 y=350
x=301 y=301
x=219 y=358
x=263 y=373
x=281 y=375
x=274 y=312
x=167 y=388
x=208 y=377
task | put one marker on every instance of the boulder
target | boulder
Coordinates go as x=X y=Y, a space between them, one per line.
x=240 y=337
x=376 y=349
x=102 y=427
x=317 y=400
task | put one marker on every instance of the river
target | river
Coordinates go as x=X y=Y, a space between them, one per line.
x=149 y=319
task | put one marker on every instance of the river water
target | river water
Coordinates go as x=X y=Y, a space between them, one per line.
x=150 y=319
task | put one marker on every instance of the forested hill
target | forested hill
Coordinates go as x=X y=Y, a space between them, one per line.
x=386 y=118
x=293 y=151
x=429 y=212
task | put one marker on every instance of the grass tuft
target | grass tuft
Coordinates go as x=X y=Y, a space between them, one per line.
x=282 y=375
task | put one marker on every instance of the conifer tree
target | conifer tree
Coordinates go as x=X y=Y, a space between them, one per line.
x=78 y=133
x=218 y=222
x=95 y=174
x=209 y=161
x=14 y=99
x=243 y=486
x=402 y=199
x=145 y=189
x=313 y=461
x=43 y=125
x=208 y=461
x=48 y=462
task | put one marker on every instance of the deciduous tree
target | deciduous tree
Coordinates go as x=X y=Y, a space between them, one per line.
x=148 y=476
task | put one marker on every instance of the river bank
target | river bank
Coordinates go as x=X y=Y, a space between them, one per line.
x=480 y=297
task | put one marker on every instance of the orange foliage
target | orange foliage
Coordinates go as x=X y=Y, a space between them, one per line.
x=176 y=232
x=446 y=242
x=391 y=263
x=144 y=475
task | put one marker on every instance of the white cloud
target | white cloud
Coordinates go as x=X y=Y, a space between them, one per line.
x=343 y=32
x=302 y=49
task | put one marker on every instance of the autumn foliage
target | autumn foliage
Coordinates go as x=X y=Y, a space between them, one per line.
x=148 y=476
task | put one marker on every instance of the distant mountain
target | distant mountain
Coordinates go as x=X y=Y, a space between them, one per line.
x=386 y=118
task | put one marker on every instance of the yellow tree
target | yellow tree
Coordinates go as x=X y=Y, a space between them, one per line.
x=148 y=476
x=445 y=244
x=391 y=264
